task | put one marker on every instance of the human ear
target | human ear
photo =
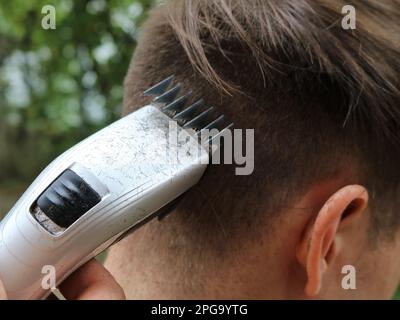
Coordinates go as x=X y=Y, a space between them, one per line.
x=317 y=246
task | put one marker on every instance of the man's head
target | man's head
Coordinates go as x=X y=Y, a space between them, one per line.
x=324 y=104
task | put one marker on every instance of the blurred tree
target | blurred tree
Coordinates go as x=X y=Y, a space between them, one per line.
x=58 y=86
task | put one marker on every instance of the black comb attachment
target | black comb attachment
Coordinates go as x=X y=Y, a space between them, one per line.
x=176 y=106
x=168 y=96
x=159 y=88
x=198 y=122
x=188 y=113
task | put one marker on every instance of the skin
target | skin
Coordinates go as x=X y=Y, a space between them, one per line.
x=302 y=259
x=90 y=282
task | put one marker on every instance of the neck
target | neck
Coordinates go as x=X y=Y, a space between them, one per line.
x=150 y=264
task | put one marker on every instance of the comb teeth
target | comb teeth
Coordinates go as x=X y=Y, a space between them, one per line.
x=175 y=106
x=159 y=88
x=168 y=96
x=195 y=116
x=198 y=120
x=189 y=111
x=212 y=124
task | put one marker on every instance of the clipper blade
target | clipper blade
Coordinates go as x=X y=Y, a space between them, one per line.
x=193 y=115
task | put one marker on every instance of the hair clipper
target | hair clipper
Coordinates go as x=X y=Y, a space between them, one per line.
x=95 y=192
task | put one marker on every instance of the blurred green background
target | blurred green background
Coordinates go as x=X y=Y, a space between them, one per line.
x=59 y=86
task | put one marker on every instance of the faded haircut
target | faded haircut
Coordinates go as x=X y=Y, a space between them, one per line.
x=324 y=103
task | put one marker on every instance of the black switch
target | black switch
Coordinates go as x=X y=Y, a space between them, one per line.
x=67 y=199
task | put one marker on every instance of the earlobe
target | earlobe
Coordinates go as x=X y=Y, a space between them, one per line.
x=318 y=244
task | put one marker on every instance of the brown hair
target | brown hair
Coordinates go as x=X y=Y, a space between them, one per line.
x=324 y=101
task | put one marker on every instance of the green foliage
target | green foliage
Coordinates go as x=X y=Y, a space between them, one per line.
x=58 y=86
x=397 y=295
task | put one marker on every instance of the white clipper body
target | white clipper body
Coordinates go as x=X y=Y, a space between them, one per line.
x=90 y=196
